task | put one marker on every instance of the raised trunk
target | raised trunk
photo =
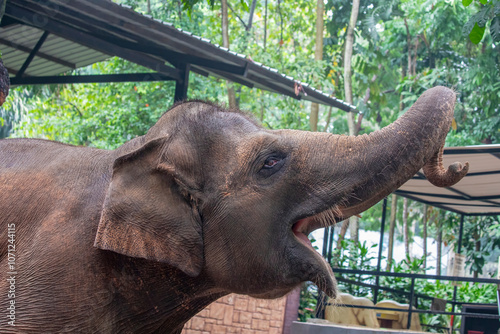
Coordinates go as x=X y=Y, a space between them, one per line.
x=385 y=159
x=392 y=225
x=369 y=167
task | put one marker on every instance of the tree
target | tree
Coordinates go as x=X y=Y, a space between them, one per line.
x=231 y=95
x=392 y=225
x=424 y=233
x=318 y=56
x=406 y=228
x=4 y=74
x=488 y=12
x=351 y=118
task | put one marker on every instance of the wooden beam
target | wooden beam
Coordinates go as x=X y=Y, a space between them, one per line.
x=32 y=54
x=74 y=79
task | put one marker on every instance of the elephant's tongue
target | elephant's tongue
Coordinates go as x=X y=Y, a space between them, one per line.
x=298 y=229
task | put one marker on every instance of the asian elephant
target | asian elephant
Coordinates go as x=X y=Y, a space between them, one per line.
x=141 y=238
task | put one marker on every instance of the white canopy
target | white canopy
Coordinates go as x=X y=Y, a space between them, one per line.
x=478 y=193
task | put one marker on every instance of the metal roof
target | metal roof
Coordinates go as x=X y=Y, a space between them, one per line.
x=76 y=33
x=478 y=193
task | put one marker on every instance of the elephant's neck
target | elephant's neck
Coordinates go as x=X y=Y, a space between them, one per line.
x=158 y=299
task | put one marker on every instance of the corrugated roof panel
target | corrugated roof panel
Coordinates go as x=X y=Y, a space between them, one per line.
x=21 y=34
x=477 y=193
x=42 y=67
x=125 y=24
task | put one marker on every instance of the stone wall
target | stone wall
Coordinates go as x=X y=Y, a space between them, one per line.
x=239 y=314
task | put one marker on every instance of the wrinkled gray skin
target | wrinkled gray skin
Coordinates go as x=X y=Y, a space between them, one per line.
x=138 y=240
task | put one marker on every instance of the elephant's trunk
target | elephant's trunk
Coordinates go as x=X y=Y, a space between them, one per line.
x=377 y=164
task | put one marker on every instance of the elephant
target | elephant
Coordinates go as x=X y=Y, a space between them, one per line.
x=208 y=202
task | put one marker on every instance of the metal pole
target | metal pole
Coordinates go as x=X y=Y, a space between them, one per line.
x=412 y=292
x=325 y=242
x=459 y=250
x=330 y=244
x=380 y=246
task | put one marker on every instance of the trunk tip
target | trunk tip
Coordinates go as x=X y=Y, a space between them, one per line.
x=441 y=177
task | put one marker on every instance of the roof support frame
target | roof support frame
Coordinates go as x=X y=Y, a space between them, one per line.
x=181 y=86
x=101 y=78
x=33 y=19
x=39 y=54
x=153 y=32
x=32 y=54
x=136 y=42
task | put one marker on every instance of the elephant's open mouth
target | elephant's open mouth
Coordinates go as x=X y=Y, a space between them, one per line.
x=322 y=274
x=303 y=227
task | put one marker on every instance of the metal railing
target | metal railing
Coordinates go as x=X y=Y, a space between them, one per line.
x=412 y=295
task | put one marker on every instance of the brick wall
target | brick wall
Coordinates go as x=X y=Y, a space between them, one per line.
x=239 y=314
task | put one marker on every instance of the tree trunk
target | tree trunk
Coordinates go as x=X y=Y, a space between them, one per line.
x=4 y=74
x=408 y=42
x=424 y=235
x=318 y=56
x=403 y=74
x=231 y=96
x=354 y=228
x=406 y=228
x=265 y=25
x=328 y=119
x=343 y=231
x=478 y=248
x=250 y=17
x=351 y=117
x=392 y=225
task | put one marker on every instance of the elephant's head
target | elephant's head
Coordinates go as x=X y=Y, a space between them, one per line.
x=211 y=192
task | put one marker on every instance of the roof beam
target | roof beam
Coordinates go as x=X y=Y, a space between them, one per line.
x=445 y=207
x=155 y=31
x=72 y=79
x=112 y=34
x=38 y=20
x=39 y=54
x=469 y=198
x=32 y=54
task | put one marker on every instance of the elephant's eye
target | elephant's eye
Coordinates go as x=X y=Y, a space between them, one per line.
x=271 y=165
x=271 y=162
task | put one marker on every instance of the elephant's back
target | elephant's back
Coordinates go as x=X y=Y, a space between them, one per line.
x=44 y=182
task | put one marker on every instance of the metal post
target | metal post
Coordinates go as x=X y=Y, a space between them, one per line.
x=330 y=245
x=459 y=250
x=380 y=246
x=181 y=86
x=325 y=242
x=412 y=293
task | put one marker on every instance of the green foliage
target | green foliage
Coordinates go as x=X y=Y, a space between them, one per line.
x=356 y=256
x=308 y=301
x=99 y=115
x=488 y=11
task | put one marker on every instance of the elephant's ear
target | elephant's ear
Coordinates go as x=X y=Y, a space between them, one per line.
x=146 y=215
